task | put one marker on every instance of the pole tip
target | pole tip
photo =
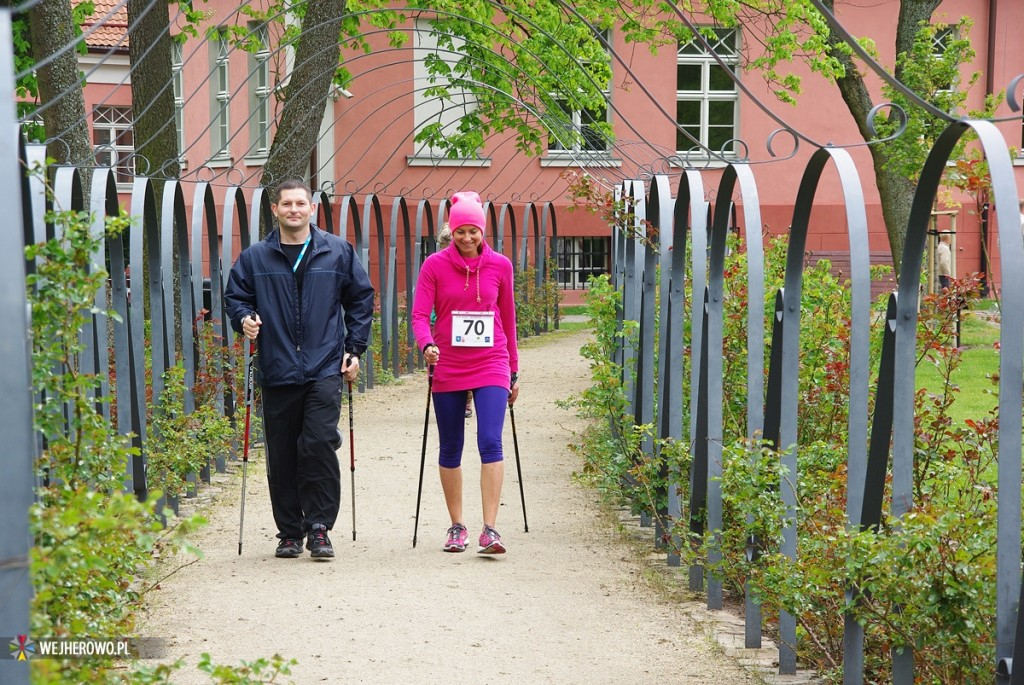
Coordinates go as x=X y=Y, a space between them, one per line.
x=239 y=549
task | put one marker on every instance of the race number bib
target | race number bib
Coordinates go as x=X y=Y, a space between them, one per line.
x=473 y=329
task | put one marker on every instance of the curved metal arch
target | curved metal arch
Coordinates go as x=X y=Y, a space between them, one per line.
x=34 y=201
x=548 y=214
x=204 y=221
x=348 y=207
x=789 y=359
x=513 y=234
x=507 y=214
x=669 y=216
x=1011 y=358
x=634 y=198
x=424 y=242
x=261 y=217
x=322 y=200
x=371 y=212
x=68 y=194
x=659 y=214
x=174 y=241
x=389 y=291
x=531 y=218
x=21 y=440
x=103 y=203
x=234 y=208
x=424 y=245
x=736 y=174
x=698 y=211
x=142 y=235
x=491 y=218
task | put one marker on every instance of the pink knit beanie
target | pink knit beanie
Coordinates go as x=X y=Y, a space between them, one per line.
x=466 y=210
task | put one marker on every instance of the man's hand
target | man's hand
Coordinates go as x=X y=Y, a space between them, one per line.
x=350 y=367
x=251 y=326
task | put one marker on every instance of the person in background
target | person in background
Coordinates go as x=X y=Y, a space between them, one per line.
x=302 y=294
x=444 y=239
x=472 y=346
x=944 y=261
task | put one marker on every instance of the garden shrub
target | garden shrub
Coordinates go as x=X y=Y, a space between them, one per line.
x=926 y=579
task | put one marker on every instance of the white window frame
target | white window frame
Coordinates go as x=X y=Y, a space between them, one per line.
x=260 y=89
x=220 y=98
x=178 y=85
x=577 y=138
x=940 y=40
x=576 y=255
x=112 y=123
x=693 y=54
x=429 y=110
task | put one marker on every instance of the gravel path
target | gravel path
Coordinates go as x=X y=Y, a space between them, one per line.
x=565 y=605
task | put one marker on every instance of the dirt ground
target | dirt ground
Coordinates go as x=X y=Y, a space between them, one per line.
x=566 y=604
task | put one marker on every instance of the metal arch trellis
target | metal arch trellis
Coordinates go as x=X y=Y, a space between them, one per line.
x=776 y=415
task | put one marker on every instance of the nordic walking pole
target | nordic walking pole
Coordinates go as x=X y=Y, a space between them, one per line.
x=249 y=398
x=423 y=453
x=519 y=470
x=352 y=458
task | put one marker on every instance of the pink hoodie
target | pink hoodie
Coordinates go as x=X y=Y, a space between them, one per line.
x=448 y=283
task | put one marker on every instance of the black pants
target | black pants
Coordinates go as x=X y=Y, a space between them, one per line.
x=301 y=422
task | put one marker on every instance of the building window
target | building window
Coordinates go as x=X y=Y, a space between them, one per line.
x=114 y=141
x=580 y=132
x=432 y=113
x=178 y=84
x=259 y=92
x=220 y=92
x=942 y=40
x=579 y=129
x=581 y=258
x=706 y=95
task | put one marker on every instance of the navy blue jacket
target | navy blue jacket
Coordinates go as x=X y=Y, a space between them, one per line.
x=302 y=341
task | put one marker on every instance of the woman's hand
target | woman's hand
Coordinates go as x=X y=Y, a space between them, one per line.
x=431 y=354
x=513 y=391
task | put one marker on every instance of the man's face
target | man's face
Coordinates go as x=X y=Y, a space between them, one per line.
x=293 y=210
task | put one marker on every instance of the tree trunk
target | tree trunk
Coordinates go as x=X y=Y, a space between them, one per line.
x=149 y=51
x=896 y=192
x=156 y=139
x=67 y=128
x=316 y=60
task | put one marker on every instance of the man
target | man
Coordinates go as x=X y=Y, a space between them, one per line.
x=944 y=261
x=302 y=295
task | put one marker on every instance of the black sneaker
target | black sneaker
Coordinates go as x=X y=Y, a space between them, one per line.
x=289 y=548
x=318 y=544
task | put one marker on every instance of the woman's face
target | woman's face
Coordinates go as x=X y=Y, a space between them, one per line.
x=468 y=239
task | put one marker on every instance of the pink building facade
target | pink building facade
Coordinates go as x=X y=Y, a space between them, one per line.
x=227 y=110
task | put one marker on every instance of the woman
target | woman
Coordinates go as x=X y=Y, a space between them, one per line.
x=473 y=347
x=444 y=239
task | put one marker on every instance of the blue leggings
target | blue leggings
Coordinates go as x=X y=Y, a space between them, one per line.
x=450 y=413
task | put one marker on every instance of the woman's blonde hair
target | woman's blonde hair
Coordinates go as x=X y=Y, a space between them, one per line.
x=444 y=238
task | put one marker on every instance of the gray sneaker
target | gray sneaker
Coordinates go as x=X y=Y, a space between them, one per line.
x=289 y=548
x=318 y=544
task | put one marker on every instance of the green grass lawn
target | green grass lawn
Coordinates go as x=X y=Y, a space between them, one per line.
x=980 y=360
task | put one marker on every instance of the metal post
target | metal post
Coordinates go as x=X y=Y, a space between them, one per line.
x=18 y=457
